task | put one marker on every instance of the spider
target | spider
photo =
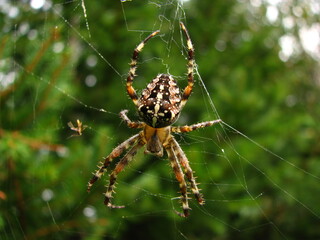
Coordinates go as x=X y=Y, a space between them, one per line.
x=158 y=107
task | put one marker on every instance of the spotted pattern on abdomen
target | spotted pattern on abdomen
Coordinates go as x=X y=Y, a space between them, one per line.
x=160 y=101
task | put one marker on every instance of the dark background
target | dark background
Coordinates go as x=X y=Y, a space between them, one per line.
x=58 y=66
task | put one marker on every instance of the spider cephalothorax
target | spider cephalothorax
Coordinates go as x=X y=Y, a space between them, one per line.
x=159 y=106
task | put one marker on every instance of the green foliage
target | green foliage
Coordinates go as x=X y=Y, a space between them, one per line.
x=264 y=186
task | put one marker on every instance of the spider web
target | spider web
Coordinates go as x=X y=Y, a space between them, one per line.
x=250 y=190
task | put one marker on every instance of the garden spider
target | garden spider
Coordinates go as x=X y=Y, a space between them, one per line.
x=159 y=106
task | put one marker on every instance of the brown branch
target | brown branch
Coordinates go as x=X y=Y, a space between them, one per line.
x=44 y=102
x=65 y=226
x=55 y=34
x=18 y=193
x=30 y=67
x=53 y=80
x=3 y=195
x=31 y=142
x=2 y=45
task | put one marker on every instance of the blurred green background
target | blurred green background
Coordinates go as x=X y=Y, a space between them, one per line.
x=258 y=70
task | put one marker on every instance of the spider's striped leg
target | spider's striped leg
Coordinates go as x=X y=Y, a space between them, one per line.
x=180 y=177
x=179 y=129
x=189 y=173
x=133 y=66
x=114 y=154
x=119 y=167
x=188 y=88
x=123 y=115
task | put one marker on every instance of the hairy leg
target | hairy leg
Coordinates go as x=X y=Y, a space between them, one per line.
x=133 y=66
x=114 y=154
x=179 y=129
x=188 y=171
x=189 y=87
x=130 y=124
x=119 y=167
x=180 y=177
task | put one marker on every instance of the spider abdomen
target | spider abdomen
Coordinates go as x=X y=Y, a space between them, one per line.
x=159 y=104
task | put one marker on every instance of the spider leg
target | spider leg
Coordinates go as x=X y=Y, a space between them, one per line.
x=188 y=88
x=180 y=177
x=123 y=115
x=179 y=129
x=114 y=154
x=119 y=167
x=188 y=171
x=133 y=66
